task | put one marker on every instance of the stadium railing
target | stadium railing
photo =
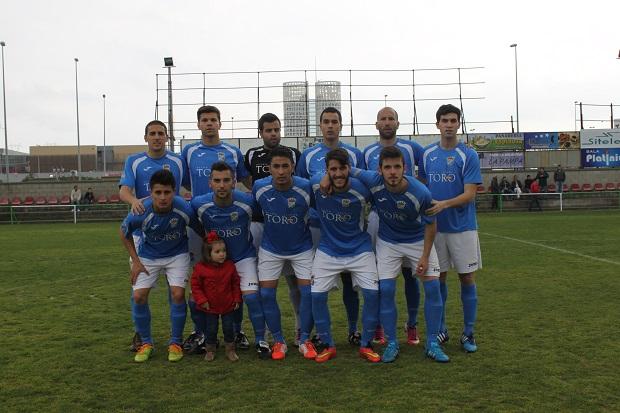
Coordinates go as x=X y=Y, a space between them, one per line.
x=549 y=201
x=22 y=214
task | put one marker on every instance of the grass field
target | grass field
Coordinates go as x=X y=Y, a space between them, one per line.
x=547 y=332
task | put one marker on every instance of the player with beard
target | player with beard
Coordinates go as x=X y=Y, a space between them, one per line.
x=387 y=124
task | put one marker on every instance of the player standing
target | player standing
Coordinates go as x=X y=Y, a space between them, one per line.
x=284 y=201
x=387 y=124
x=452 y=173
x=163 y=249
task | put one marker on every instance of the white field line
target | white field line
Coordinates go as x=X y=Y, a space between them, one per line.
x=590 y=257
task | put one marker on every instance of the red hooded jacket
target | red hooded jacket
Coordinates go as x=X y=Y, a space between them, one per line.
x=218 y=285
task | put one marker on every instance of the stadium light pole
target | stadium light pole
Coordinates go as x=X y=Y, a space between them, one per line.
x=232 y=127
x=77 y=117
x=6 y=138
x=575 y=116
x=385 y=100
x=105 y=170
x=516 y=84
x=168 y=63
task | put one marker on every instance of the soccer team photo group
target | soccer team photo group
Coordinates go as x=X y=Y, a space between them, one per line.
x=331 y=219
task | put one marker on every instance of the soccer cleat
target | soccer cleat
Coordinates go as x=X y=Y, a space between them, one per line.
x=278 y=351
x=308 y=350
x=263 y=350
x=379 y=336
x=468 y=343
x=298 y=337
x=436 y=353
x=413 y=338
x=325 y=355
x=390 y=353
x=194 y=343
x=136 y=342
x=144 y=353
x=443 y=337
x=175 y=352
x=241 y=341
x=369 y=354
x=355 y=338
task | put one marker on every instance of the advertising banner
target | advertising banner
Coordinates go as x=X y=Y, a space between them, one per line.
x=600 y=138
x=501 y=160
x=496 y=141
x=551 y=140
x=600 y=158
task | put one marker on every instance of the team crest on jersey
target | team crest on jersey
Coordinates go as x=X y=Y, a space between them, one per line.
x=174 y=222
x=166 y=167
x=221 y=156
x=346 y=202
x=234 y=216
x=401 y=204
x=450 y=160
x=291 y=202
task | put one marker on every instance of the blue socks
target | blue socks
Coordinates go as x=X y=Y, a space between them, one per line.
x=370 y=315
x=255 y=310
x=351 y=301
x=178 y=313
x=412 y=294
x=272 y=313
x=443 y=287
x=305 y=312
x=322 y=321
x=432 y=310
x=237 y=319
x=469 y=298
x=387 y=308
x=142 y=320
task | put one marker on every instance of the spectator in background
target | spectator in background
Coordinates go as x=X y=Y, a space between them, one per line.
x=89 y=196
x=528 y=184
x=495 y=190
x=559 y=176
x=516 y=184
x=542 y=177
x=504 y=186
x=76 y=195
x=534 y=189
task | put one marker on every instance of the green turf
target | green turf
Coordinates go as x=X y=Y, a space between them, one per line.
x=547 y=333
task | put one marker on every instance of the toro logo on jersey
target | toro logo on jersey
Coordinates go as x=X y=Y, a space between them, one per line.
x=291 y=202
x=441 y=177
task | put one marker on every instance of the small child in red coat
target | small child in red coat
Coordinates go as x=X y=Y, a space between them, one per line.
x=215 y=287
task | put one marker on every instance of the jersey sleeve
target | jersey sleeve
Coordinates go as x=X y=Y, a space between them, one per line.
x=128 y=178
x=130 y=224
x=368 y=178
x=194 y=223
x=301 y=170
x=242 y=172
x=471 y=173
x=421 y=168
x=258 y=210
x=185 y=182
x=246 y=160
x=361 y=161
x=418 y=153
x=425 y=203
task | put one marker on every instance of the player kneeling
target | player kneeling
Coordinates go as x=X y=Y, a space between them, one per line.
x=163 y=248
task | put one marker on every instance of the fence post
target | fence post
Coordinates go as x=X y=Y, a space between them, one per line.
x=561 y=197
x=75 y=214
x=12 y=216
x=501 y=202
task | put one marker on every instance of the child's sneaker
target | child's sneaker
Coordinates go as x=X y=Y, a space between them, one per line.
x=230 y=352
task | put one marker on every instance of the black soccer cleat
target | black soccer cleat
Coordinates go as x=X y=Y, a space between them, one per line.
x=263 y=350
x=241 y=341
x=355 y=338
x=194 y=344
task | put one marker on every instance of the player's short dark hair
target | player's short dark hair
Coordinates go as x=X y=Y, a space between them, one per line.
x=154 y=122
x=338 y=154
x=331 y=109
x=446 y=109
x=390 y=152
x=208 y=109
x=163 y=177
x=221 y=166
x=267 y=118
x=281 y=151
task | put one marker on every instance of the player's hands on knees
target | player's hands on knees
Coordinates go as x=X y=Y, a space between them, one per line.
x=437 y=207
x=205 y=305
x=136 y=268
x=137 y=208
x=422 y=266
x=325 y=185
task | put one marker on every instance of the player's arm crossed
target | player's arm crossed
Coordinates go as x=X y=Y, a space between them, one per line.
x=468 y=195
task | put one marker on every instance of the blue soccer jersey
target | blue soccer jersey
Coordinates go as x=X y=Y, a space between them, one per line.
x=412 y=153
x=232 y=223
x=200 y=157
x=163 y=235
x=446 y=172
x=285 y=215
x=140 y=167
x=341 y=216
x=312 y=160
x=401 y=215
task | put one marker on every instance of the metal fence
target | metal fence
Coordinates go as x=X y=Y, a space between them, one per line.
x=21 y=214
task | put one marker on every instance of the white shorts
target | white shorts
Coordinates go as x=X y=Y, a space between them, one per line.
x=246 y=268
x=326 y=271
x=176 y=269
x=136 y=243
x=458 y=250
x=390 y=258
x=270 y=265
x=195 y=246
x=256 y=229
x=373 y=226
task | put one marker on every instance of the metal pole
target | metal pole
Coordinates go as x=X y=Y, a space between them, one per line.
x=516 y=84
x=307 y=105
x=232 y=127
x=105 y=170
x=463 y=127
x=415 y=114
x=204 y=88
x=581 y=114
x=611 y=107
x=575 y=116
x=351 y=104
x=258 y=101
x=6 y=139
x=156 y=96
x=77 y=117
x=170 y=122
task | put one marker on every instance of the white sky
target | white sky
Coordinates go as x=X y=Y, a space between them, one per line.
x=566 y=52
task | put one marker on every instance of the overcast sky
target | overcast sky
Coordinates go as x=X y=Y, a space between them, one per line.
x=566 y=52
